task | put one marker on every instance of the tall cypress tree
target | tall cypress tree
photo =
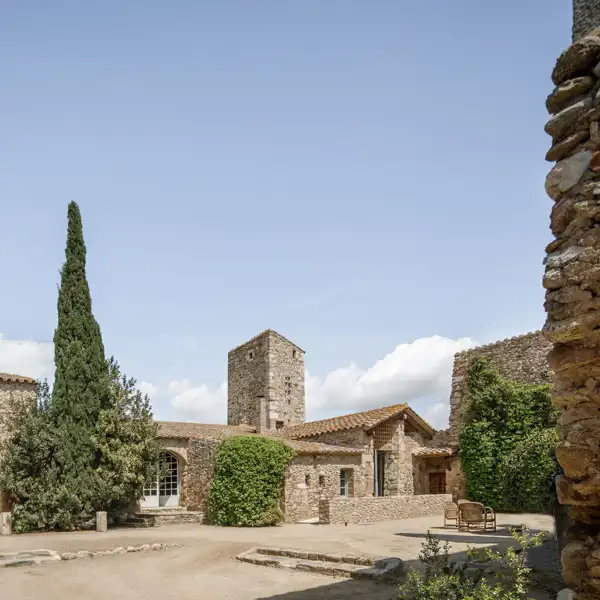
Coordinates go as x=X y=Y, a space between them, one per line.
x=81 y=379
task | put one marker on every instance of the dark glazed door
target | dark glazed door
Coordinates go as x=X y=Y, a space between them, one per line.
x=380 y=473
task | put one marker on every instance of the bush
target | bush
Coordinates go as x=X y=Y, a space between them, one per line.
x=499 y=419
x=247 y=483
x=444 y=579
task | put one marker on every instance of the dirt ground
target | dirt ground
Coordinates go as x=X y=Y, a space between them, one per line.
x=204 y=566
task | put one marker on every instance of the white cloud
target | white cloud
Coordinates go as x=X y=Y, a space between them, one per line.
x=147 y=388
x=420 y=370
x=199 y=403
x=27 y=358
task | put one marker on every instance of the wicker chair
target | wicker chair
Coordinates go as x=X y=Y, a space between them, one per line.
x=451 y=513
x=475 y=514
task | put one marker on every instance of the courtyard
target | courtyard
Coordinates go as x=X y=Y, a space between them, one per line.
x=203 y=565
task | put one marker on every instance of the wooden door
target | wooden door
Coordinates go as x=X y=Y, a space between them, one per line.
x=437 y=483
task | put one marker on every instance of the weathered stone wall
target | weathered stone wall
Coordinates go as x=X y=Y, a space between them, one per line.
x=198 y=473
x=11 y=393
x=267 y=366
x=586 y=16
x=369 y=510
x=572 y=282
x=310 y=479
x=522 y=358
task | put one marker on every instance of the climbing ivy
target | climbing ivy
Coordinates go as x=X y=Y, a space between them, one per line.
x=506 y=443
x=248 y=480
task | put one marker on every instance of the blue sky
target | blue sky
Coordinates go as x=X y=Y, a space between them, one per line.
x=355 y=175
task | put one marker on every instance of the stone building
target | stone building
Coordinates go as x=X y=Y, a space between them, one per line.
x=13 y=388
x=369 y=457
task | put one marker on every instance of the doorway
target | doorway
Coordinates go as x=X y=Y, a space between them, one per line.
x=437 y=483
x=163 y=492
x=379 y=473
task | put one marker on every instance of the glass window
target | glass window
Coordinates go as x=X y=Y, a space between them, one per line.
x=343 y=483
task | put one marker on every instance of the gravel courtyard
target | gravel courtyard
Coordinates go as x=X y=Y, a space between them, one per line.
x=204 y=566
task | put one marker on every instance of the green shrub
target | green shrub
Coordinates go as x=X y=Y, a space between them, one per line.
x=502 y=421
x=443 y=579
x=247 y=483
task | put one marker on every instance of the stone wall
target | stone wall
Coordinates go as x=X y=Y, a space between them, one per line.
x=198 y=473
x=586 y=16
x=271 y=367
x=369 y=510
x=572 y=282
x=12 y=392
x=522 y=358
x=310 y=479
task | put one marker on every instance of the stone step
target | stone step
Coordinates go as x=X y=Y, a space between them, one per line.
x=32 y=557
x=355 y=567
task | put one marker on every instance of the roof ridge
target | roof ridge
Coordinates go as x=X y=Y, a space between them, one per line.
x=263 y=333
x=14 y=378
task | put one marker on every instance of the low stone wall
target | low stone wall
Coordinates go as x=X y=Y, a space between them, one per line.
x=387 y=508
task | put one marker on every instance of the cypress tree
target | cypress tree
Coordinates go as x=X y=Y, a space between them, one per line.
x=80 y=390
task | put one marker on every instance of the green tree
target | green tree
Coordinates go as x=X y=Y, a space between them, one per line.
x=126 y=439
x=500 y=416
x=81 y=386
x=248 y=479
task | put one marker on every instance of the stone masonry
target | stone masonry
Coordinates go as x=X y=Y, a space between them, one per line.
x=586 y=16
x=522 y=358
x=267 y=370
x=572 y=282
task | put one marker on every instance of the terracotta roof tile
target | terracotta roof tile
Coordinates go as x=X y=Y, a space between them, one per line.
x=186 y=430
x=432 y=452
x=363 y=420
x=11 y=378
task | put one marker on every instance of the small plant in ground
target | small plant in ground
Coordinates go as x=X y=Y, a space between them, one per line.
x=444 y=579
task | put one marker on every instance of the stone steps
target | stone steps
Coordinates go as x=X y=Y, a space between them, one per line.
x=157 y=518
x=24 y=559
x=355 y=567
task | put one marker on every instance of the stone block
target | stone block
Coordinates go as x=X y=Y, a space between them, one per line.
x=5 y=523
x=101 y=521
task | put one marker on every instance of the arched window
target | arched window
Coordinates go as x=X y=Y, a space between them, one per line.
x=163 y=492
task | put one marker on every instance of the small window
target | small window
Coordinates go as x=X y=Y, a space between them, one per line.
x=321 y=480
x=293 y=354
x=344 y=480
x=307 y=479
x=251 y=354
x=278 y=424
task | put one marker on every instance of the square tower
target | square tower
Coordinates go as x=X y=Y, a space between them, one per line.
x=265 y=383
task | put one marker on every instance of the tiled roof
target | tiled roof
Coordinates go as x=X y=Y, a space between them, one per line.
x=185 y=430
x=362 y=420
x=432 y=452
x=11 y=378
x=179 y=429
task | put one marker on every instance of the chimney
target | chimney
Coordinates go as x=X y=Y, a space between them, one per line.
x=262 y=415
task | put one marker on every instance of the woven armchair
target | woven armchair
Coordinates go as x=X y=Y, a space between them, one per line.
x=451 y=514
x=475 y=514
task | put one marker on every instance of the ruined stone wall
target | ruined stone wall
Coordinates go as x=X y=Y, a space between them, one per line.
x=310 y=479
x=572 y=282
x=586 y=16
x=370 y=510
x=269 y=366
x=522 y=358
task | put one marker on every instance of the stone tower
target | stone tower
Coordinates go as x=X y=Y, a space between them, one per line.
x=586 y=16
x=265 y=383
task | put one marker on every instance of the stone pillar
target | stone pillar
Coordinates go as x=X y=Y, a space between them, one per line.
x=572 y=282
x=5 y=523
x=101 y=521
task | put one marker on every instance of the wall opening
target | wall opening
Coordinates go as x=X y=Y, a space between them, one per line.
x=437 y=483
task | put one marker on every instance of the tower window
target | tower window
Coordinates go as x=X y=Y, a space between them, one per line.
x=293 y=354
x=307 y=479
x=251 y=354
x=278 y=424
